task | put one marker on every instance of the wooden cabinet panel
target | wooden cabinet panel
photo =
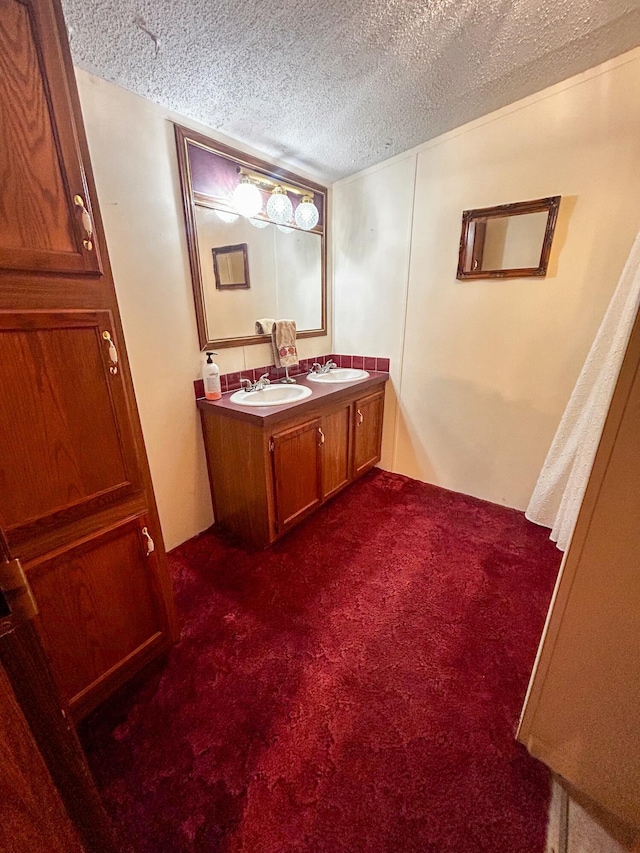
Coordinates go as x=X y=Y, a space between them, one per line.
x=335 y=450
x=66 y=444
x=100 y=607
x=296 y=472
x=42 y=228
x=367 y=440
x=240 y=474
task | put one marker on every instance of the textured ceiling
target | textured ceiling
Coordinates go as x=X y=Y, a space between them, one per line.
x=332 y=86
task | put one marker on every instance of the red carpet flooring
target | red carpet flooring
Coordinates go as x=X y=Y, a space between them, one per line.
x=353 y=690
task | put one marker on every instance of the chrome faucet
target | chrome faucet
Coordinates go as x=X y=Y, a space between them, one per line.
x=322 y=368
x=258 y=385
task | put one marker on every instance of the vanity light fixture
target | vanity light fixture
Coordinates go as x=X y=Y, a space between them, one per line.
x=227 y=217
x=307 y=214
x=284 y=228
x=247 y=198
x=279 y=207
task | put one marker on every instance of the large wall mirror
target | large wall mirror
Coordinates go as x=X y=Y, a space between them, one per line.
x=257 y=243
x=509 y=240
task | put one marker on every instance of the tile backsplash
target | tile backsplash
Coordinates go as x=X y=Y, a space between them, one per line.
x=231 y=381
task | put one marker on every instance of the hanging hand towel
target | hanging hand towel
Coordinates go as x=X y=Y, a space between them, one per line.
x=264 y=326
x=283 y=339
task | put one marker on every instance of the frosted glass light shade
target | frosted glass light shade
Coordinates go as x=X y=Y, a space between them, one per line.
x=285 y=229
x=247 y=198
x=307 y=214
x=279 y=207
x=226 y=217
x=259 y=223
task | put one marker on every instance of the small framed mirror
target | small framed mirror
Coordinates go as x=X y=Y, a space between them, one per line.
x=509 y=240
x=231 y=267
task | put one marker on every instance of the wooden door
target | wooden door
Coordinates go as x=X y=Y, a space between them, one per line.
x=367 y=431
x=334 y=450
x=48 y=800
x=66 y=438
x=101 y=612
x=297 y=476
x=46 y=219
x=582 y=711
x=32 y=816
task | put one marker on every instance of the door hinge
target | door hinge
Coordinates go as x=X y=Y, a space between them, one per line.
x=272 y=445
x=18 y=596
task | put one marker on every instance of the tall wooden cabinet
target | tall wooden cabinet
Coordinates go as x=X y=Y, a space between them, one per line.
x=76 y=501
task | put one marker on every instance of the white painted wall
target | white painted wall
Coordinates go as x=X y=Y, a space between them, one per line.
x=482 y=370
x=133 y=153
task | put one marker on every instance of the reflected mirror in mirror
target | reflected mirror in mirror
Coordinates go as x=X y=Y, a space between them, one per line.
x=509 y=240
x=286 y=269
x=231 y=267
x=261 y=269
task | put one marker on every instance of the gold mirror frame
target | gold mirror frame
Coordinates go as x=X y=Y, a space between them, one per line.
x=466 y=269
x=184 y=137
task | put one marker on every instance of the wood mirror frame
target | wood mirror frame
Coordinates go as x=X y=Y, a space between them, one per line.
x=186 y=137
x=471 y=245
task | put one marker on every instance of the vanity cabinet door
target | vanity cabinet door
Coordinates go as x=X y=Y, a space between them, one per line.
x=46 y=222
x=367 y=430
x=297 y=476
x=335 y=438
x=101 y=610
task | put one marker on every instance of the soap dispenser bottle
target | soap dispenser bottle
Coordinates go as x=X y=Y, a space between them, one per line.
x=211 y=378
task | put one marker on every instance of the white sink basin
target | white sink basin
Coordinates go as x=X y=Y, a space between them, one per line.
x=272 y=395
x=339 y=374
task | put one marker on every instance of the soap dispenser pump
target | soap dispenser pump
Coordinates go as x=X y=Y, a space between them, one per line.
x=211 y=378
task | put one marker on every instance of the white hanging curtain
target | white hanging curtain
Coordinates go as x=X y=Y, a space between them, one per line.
x=558 y=494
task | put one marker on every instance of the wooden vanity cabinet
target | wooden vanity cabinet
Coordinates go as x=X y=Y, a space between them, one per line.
x=267 y=473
